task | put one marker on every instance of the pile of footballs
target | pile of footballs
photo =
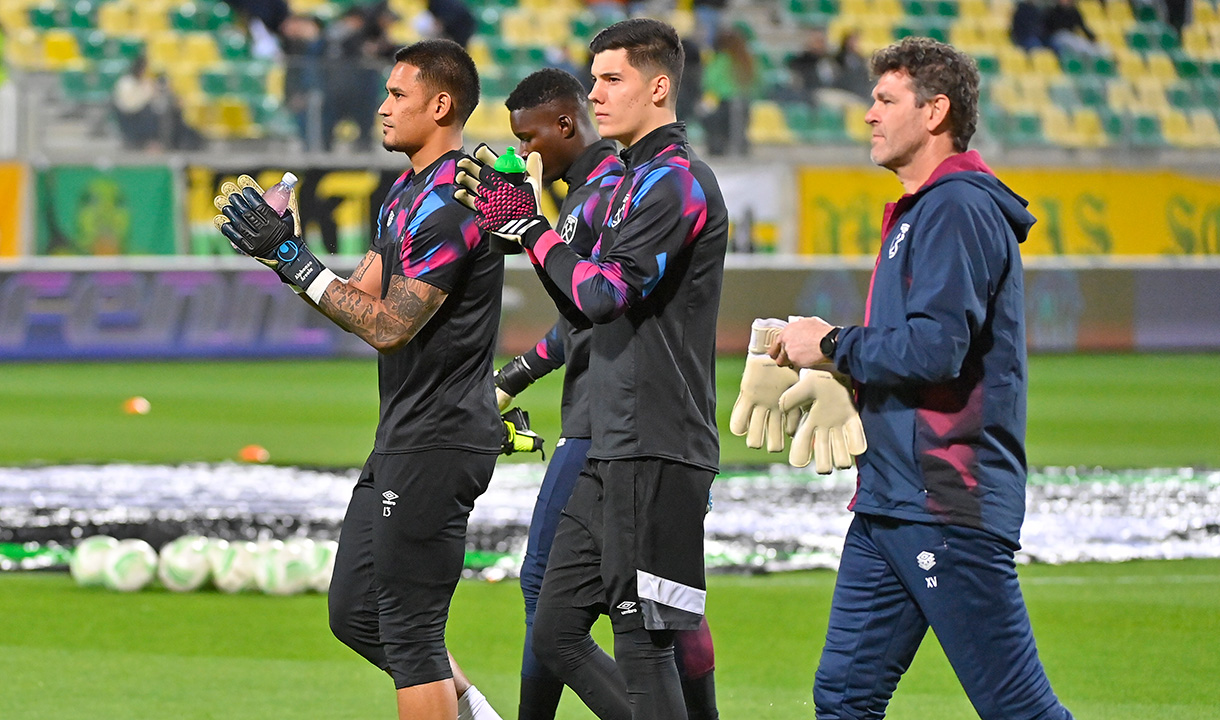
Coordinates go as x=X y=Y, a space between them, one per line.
x=193 y=562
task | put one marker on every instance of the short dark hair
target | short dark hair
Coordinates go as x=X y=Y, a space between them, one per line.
x=937 y=69
x=444 y=66
x=546 y=86
x=650 y=45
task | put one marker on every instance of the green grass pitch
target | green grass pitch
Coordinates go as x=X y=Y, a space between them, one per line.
x=1127 y=641
x=1120 y=642
x=1115 y=411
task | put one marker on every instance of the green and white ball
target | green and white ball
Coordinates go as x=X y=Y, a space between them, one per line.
x=130 y=566
x=323 y=564
x=183 y=564
x=282 y=568
x=232 y=565
x=89 y=560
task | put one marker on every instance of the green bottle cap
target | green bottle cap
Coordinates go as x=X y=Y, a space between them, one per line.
x=510 y=162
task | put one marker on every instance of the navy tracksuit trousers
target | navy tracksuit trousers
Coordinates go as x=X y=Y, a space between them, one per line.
x=897 y=578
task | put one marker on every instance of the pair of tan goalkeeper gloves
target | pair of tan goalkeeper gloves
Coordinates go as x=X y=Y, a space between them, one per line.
x=814 y=407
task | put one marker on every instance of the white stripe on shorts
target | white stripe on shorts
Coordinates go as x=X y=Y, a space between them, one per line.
x=670 y=592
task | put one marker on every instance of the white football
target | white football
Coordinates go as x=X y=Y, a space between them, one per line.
x=323 y=564
x=130 y=566
x=89 y=560
x=183 y=565
x=282 y=568
x=232 y=565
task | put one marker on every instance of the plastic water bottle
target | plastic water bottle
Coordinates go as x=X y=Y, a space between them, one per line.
x=277 y=197
x=511 y=166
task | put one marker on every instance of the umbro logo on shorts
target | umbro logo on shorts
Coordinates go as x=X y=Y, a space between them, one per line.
x=390 y=496
x=626 y=607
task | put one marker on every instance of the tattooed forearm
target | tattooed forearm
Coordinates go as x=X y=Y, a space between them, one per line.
x=385 y=324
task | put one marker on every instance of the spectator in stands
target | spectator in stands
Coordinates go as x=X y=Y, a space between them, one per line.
x=304 y=46
x=813 y=68
x=729 y=82
x=1066 y=31
x=456 y=21
x=708 y=14
x=1027 y=30
x=147 y=112
x=356 y=52
x=852 y=67
x=690 y=92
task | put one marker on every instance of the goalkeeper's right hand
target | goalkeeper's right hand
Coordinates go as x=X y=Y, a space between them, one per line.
x=510 y=380
x=517 y=434
x=757 y=413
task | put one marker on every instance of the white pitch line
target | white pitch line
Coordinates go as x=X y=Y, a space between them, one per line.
x=1123 y=580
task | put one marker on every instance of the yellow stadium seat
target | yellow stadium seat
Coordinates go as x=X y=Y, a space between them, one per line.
x=1034 y=92
x=1013 y=61
x=1120 y=14
x=1058 y=127
x=1205 y=13
x=973 y=9
x=479 y=52
x=1093 y=11
x=234 y=119
x=682 y=20
x=1196 y=41
x=164 y=50
x=150 y=17
x=23 y=49
x=517 y=28
x=1005 y=93
x=199 y=49
x=14 y=17
x=1088 y=128
x=768 y=126
x=1120 y=96
x=1160 y=66
x=116 y=18
x=1204 y=124
x=1130 y=64
x=1150 y=93
x=1177 y=129
x=1044 y=62
x=891 y=9
x=60 y=50
x=489 y=121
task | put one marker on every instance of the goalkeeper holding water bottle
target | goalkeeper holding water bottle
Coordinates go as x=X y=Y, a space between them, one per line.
x=427 y=297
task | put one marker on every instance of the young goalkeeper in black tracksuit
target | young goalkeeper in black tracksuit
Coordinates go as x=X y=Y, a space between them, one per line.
x=630 y=543
x=550 y=116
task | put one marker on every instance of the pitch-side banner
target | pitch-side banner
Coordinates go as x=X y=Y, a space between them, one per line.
x=1080 y=212
x=11 y=203
x=84 y=210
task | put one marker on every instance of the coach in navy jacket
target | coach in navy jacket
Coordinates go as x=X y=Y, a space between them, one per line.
x=939 y=366
x=940 y=360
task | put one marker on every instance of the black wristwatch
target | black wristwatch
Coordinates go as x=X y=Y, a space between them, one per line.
x=830 y=343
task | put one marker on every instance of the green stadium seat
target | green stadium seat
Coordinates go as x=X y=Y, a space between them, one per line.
x=1146 y=132
x=93 y=44
x=1091 y=91
x=1181 y=95
x=80 y=15
x=1187 y=68
x=1063 y=95
x=988 y=64
x=1025 y=130
x=43 y=16
x=489 y=22
x=233 y=45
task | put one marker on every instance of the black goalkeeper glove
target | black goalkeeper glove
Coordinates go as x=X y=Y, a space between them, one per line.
x=517 y=434
x=255 y=229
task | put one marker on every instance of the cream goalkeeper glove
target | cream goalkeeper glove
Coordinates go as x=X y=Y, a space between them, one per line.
x=830 y=431
x=757 y=414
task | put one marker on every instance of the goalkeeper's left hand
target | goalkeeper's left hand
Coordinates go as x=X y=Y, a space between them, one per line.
x=517 y=434
x=507 y=209
x=830 y=432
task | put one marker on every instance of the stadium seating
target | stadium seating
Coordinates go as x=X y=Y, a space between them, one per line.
x=1149 y=89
